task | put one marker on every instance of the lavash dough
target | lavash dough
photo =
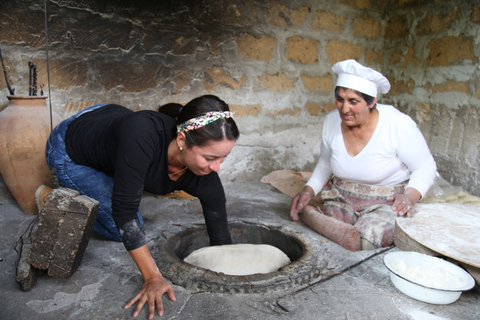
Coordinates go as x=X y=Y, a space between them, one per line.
x=239 y=259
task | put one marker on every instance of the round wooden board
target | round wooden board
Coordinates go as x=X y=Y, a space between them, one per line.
x=450 y=229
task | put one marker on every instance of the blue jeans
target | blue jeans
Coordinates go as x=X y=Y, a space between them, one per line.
x=86 y=180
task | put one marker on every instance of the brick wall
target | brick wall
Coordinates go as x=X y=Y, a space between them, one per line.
x=431 y=58
x=269 y=59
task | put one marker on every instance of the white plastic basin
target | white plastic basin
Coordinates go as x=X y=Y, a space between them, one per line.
x=426 y=278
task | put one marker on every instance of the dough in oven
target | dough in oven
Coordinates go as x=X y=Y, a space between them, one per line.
x=239 y=259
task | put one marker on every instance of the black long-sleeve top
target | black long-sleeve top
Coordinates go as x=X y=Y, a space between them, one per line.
x=132 y=147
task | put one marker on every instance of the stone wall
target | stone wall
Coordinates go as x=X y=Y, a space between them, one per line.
x=431 y=57
x=269 y=59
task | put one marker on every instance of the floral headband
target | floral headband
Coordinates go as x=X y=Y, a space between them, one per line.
x=209 y=117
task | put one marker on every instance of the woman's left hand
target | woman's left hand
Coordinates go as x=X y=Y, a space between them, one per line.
x=403 y=203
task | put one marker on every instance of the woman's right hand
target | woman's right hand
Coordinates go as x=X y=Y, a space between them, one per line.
x=154 y=285
x=300 y=201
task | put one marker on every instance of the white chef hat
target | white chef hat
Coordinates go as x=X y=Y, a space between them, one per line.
x=353 y=75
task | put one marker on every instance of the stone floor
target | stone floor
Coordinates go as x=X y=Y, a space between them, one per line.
x=353 y=286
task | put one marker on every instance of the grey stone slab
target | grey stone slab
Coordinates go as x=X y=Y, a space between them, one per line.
x=355 y=285
x=366 y=292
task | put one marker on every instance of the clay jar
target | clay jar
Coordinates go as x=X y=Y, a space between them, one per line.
x=24 y=130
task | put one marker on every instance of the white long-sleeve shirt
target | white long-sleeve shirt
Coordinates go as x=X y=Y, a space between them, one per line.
x=396 y=152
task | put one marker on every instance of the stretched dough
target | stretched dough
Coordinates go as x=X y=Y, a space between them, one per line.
x=239 y=259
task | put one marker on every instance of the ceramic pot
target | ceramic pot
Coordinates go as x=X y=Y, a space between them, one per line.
x=24 y=130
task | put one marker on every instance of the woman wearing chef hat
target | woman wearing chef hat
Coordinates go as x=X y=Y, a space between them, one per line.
x=374 y=163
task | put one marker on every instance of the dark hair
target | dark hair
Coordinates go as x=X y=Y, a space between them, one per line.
x=170 y=108
x=368 y=99
x=217 y=130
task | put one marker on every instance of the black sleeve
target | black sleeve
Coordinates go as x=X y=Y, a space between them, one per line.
x=132 y=235
x=137 y=146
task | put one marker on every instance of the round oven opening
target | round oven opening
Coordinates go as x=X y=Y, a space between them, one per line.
x=306 y=264
x=192 y=239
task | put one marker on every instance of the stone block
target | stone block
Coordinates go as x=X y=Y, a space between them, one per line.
x=295 y=112
x=448 y=86
x=177 y=40
x=360 y=4
x=182 y=78
x=423 y=112
x=64 y=73
x=407 y=58
x=315 y=109
x=282 y=16
x=302 y=50
x=213 y=77
x=256 y=49
x=131 y=77
x=477 y=92
x=324 y=83
x=402 y=87
x=450 y=50
x=475 y=17
x=276 y=82
x=372 y=58
x=246 y=110
x=15 y=28
x=396 y=28
x=433 y=24
x=63 y=232
x=366 y=27
x=242 y=14
x=338 y=51
x=328 y=21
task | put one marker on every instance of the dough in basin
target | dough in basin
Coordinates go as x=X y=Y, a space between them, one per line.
x=239 y=259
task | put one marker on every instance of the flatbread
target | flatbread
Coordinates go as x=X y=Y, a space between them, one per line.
x=239 y=259
x=450 y=229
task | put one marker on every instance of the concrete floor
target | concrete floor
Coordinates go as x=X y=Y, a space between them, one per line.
x=356 y=286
